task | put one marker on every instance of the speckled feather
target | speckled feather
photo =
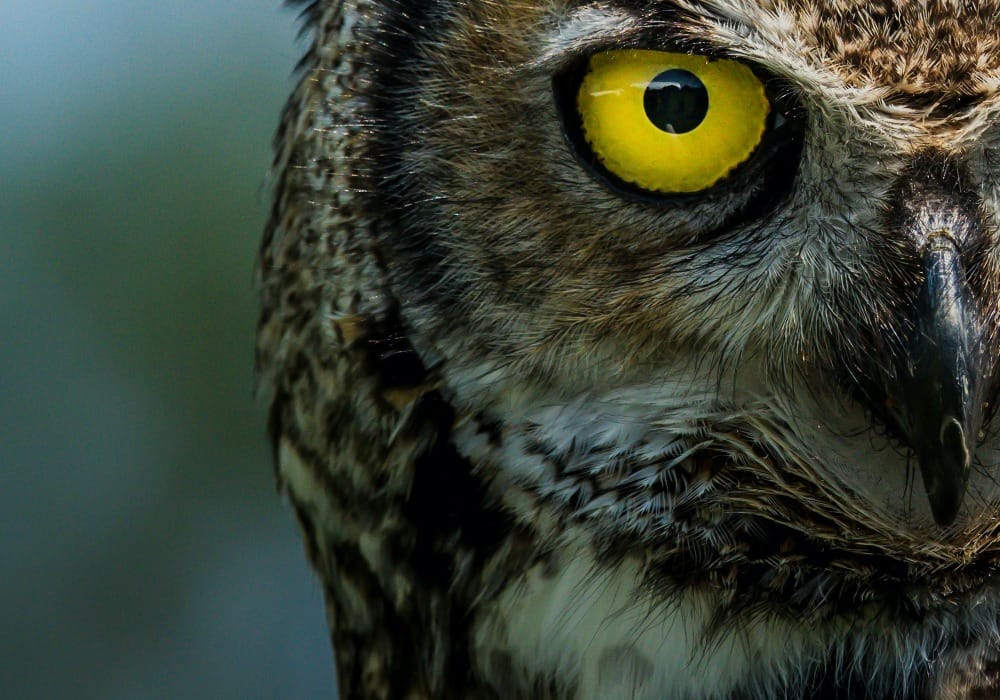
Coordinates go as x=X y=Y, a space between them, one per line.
x=543 y=442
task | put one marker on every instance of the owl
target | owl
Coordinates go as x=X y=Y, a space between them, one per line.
x=643 y=348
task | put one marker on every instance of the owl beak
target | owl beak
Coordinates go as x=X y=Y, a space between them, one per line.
x=940 y=382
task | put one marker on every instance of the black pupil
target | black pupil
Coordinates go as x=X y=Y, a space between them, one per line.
x=676 y=101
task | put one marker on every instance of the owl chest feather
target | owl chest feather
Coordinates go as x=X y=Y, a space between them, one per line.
x=599 y=632
x=614 y=606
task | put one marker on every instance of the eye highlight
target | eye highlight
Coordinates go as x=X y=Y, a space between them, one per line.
x=670 y=123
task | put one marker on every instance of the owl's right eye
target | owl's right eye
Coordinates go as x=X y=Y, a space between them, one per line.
x=666 y=124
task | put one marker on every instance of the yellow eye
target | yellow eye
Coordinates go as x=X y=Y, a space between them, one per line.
x=671 y=122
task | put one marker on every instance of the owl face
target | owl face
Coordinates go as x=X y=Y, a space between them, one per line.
x=736 y=261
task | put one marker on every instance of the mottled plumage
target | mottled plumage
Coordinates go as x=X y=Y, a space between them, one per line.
x=546 y=439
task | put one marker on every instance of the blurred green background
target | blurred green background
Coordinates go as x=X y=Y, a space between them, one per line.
x=144 y=552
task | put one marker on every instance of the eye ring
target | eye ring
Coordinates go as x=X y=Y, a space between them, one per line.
x=728 y=116
x=766 y=173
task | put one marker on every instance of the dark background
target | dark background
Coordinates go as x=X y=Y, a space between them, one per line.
x=144 y=552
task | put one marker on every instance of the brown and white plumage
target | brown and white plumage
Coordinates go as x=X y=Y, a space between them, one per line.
x=546 y=440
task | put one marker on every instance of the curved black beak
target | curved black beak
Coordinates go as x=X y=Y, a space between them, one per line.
x=941 y=385
x=932 y=367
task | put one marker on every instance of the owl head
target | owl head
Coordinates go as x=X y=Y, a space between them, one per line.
x=776 y=208
x=731 y=266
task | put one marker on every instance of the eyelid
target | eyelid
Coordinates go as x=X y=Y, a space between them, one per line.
x=586 y=31
x=597 y=28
